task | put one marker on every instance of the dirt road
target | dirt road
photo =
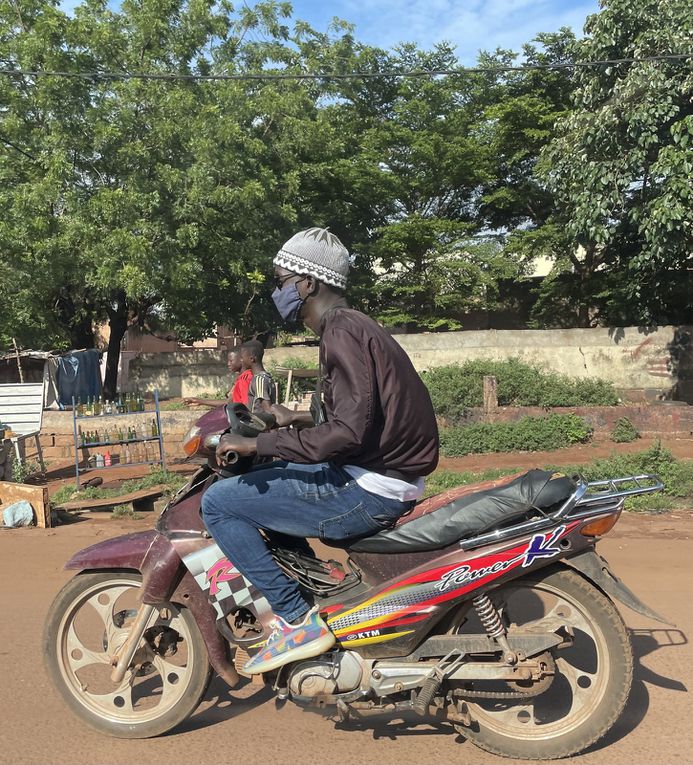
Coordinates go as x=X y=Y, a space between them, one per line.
x=653 y=554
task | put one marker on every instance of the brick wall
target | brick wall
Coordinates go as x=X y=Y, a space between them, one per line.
x=57 y=439
x=672 y=419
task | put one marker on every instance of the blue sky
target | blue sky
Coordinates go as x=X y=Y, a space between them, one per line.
x=471 y=25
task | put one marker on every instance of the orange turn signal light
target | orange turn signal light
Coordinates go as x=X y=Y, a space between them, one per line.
x=600 y=527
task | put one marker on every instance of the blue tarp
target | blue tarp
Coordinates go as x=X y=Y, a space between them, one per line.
x=78 y=376
x=18 y=514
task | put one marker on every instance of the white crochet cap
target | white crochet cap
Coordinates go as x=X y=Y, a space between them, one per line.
x=316 y=252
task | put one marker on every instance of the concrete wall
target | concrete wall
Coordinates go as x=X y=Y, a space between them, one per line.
x=645 y=364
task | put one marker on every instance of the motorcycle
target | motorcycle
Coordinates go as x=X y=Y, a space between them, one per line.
x=486 y=606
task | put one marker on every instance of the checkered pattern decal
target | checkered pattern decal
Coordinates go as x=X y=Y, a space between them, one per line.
x=225 y=586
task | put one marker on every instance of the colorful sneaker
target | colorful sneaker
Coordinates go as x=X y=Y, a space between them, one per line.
x=292 y=642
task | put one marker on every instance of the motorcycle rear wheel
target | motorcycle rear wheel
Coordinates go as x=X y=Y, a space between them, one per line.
x=592 y=681
x=168 y=677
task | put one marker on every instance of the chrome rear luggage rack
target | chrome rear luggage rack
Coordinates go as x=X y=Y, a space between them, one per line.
x=590 y=498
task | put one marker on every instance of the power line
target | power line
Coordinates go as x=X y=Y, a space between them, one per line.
x=276 y=76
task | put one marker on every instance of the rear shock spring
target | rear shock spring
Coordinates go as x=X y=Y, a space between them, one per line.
x=488 y=616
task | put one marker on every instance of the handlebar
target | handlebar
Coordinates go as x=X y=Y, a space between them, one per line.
x=211 y=443
x=230 y=458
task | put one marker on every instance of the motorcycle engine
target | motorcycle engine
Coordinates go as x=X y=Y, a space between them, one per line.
x=337 y=672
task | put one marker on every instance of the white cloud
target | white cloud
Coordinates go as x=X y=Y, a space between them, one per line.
x=472 y=25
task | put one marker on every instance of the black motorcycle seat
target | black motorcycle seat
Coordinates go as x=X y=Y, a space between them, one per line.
x=464 y=512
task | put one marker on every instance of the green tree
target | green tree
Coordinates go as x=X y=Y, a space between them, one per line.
x=450 y=161
x=517 y=111
x=620 y=168
x=147 y=202
x=43 y=302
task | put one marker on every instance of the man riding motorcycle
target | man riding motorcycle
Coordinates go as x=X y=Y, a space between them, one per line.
x=351 y=475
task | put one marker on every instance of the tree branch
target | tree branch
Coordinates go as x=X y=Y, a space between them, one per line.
x=16 y=148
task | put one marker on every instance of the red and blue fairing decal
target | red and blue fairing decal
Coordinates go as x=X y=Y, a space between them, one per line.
x=388 y=614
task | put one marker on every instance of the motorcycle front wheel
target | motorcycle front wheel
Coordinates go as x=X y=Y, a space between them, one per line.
x=88 y=622
x=591 y=681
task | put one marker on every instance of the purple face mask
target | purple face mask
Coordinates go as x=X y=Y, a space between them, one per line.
x=288 y=302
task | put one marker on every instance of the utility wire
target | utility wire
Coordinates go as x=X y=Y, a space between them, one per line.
x=270 y=76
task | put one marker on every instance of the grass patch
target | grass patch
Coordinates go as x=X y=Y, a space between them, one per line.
x=442 y=480
x=527 y=434
x=125 y=512
x=157 y=477
x=219 y=394
x=651 y=503
x=172 y=406
x=677 y=476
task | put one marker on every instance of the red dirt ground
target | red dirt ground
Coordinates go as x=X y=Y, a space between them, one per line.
x=652 y=554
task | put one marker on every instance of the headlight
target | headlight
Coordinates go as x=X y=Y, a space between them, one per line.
x=192 y=441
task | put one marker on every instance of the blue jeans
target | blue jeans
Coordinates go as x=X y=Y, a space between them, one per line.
x=297 y=500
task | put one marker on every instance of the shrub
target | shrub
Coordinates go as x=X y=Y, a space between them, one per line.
x=458 y=387
x=21 y=470
x=677 y=476
x=527 y=434
x=624 y=431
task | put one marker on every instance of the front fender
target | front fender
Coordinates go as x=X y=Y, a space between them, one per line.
x=596 y=569
x=161 y=568
x=127 y=551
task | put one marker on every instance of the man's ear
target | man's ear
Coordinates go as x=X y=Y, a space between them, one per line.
x=311 y=285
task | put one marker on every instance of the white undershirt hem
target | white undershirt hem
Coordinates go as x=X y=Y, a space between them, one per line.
x=385 y=486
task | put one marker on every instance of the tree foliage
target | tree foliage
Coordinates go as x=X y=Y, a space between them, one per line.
x=620 y=168
x=160 y=204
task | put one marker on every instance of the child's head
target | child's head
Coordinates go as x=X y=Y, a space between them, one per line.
x=252 y=352
x=233 y=361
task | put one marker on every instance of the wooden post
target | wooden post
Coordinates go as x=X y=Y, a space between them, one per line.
x=289 y=380
x=490 y=395
x=19 y=363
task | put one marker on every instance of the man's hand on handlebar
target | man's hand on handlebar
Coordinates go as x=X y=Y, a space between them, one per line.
x=232 y=446
x=285 y=417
